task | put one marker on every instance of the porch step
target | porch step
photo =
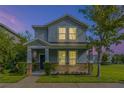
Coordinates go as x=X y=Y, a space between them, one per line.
x=38 y=73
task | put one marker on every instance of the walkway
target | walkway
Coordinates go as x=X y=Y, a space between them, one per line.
x=29 y=82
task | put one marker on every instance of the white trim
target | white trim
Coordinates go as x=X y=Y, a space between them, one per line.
x=37 y=47
x=35 y=40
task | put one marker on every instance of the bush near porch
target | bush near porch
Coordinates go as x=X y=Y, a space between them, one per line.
x=109 y=74
x=19 y=68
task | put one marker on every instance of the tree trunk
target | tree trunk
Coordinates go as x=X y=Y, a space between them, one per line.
x=99 y=62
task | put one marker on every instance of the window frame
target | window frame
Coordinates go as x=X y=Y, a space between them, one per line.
x=61 y=58
x=69 y=59
x=62 y=34
x=72 y=34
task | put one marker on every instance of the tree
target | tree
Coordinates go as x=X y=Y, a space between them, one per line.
x=7 y=49
x=26 y=35
x=21 y=50
x=11 y=52
x=107 y=24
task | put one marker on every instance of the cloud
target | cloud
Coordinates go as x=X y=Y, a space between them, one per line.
x=11 y=21
x=118 y=49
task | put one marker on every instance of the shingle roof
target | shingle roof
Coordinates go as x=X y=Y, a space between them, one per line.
x=59 y=19
x=8 y=29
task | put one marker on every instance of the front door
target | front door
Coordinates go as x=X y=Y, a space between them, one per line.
x=42 y=60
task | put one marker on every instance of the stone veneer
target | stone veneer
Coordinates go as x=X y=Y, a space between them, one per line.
x=84 y=68
x=29 y=69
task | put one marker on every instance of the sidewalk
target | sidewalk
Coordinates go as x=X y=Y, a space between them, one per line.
x=29 y=82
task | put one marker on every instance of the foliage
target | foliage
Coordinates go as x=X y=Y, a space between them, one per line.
x=47 y=68
x=107 y=22
x=27 y=35
x=19 y=68
x=11 y=52
x=35 y=66
x=21 y=50
x=105 y=60
x=109 y=74
x=7 y=49
x=118 y=59
x=22 y=67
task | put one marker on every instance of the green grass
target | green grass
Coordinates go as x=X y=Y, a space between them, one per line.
x=10 y=79
x=109 y=74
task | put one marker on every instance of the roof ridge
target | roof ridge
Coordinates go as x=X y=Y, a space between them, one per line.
x=57 y=19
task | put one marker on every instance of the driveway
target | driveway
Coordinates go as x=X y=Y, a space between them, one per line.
x=29 y=82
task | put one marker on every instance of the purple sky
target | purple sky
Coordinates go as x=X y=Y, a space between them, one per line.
x=21 y=18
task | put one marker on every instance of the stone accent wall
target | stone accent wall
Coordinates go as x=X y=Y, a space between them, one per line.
x=84 y=68
x=29 y=69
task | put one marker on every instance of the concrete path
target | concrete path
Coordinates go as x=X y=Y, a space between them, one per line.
x=29 y=82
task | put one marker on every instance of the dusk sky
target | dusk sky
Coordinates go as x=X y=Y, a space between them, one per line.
x=21 y=18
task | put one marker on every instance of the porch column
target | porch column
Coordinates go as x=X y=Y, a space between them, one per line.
x=89 y=61
x=46 y=54
x=29 y=61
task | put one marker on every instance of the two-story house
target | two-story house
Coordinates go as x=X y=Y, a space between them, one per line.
x=63 y=43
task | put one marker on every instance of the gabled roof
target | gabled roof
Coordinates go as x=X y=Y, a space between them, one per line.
x=39 y=40
x=60 y=19
x=9 y=30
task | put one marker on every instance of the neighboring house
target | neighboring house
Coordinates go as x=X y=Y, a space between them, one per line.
x=12 y=34
x=63 y=43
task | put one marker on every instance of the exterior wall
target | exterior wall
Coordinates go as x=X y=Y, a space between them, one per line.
x=81 y=55
x=76 y=69
x=53 y=56
x=41 y=34
x=53 y=31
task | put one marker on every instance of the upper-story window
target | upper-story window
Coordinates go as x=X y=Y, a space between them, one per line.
x=62 y=33
x=72 y=34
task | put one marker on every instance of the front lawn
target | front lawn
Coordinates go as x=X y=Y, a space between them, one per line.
x=109 y=74
x=10 y=79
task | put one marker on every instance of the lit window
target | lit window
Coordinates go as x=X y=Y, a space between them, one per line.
x=72 y=57
x=72 y=33
x=62 y=57
x=62 y=33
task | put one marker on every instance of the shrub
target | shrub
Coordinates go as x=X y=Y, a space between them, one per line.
x=35 y=66
x=22 y=67
x=47 y=68
x=105 y=59
x=4 y=71
x=19 y=68
x=118 y=59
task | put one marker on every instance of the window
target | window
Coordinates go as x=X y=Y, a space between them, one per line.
x=62 y=57
x=72 y=57
x=72 y=33
x=62 y=33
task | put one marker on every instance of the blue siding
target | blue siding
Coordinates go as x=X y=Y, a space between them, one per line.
x=81 y=56
x=53 y=31
x=53 y=56
x=41 y=34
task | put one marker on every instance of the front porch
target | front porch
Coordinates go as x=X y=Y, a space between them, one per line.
x=36 y=56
